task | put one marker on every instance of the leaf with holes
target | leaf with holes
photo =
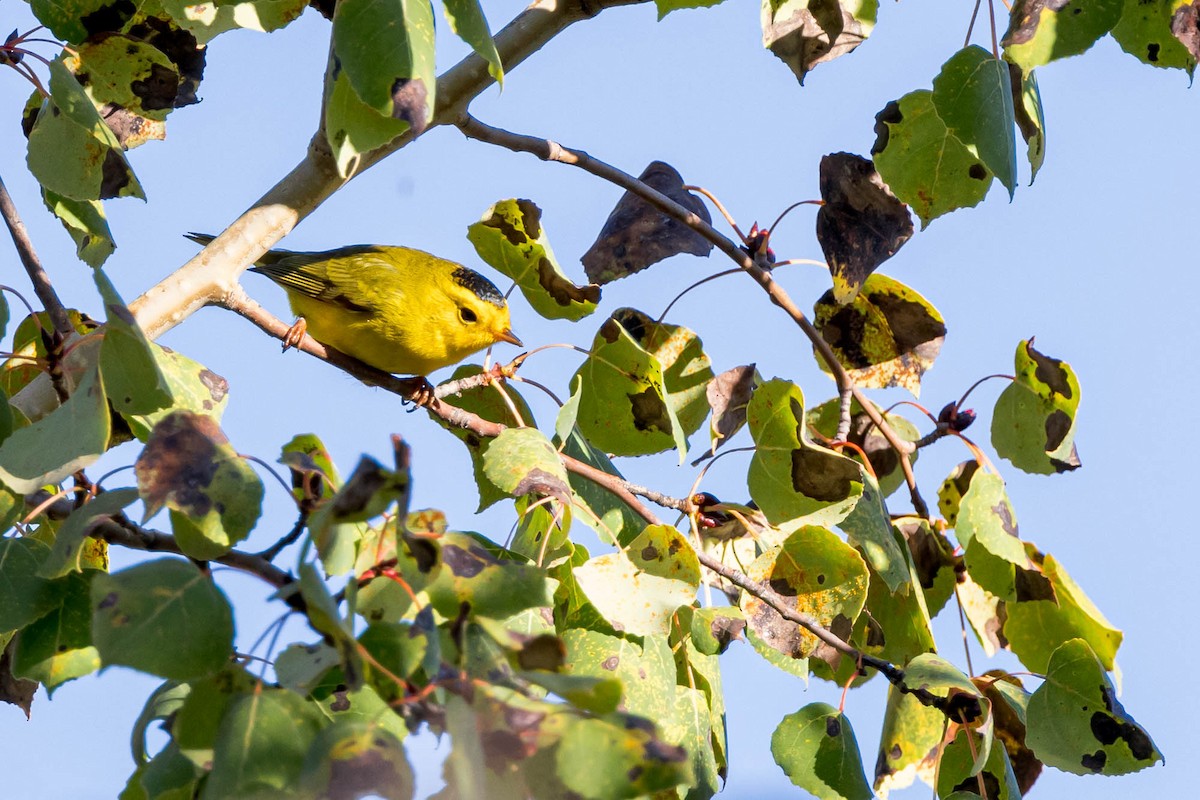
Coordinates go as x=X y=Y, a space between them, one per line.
x=1076 y=723
x=804 y=33
x=1041 y=31
x=188 y=466
x=922 y=162
x=165 y=617
x=510 y=237
x=887 y=336
x=814 y=572
x=1033 y=425
x=816 y=748
x=861 y=223
x=637 y=235
x=792 y=480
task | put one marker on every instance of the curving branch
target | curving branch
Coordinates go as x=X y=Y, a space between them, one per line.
x=548 y=150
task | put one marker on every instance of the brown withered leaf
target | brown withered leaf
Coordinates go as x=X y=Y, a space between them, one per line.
x=861 y=225
x=636 y=234
x=17 y=691
x=1185 y=26
x=1010 y=730
x=728 y=396
x=803 y=35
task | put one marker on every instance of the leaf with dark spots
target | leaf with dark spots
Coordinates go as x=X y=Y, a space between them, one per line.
x=462 y=563
x=648 y=411
x=158 y=90
x=544 y=484
x=511 y=238
x=1033 y=585
x=1034 y=421
x=825 y=477
x=888 y=335
x=410 y=103
x=368 y=491
x=804 y=33
x=116 y=175
x=637 y=235
x=1041 y=31
x=545 y=652
x=861 y=223
x=181 y=47
x=888 y=116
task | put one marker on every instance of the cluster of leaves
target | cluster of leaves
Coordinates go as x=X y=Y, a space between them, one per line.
x=557 y=672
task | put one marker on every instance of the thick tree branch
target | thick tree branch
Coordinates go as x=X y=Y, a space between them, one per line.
x=552 y=151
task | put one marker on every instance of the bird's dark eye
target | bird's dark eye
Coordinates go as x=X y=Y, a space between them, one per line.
x=467 y=315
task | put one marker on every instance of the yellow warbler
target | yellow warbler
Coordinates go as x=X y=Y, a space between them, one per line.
x=398 y=309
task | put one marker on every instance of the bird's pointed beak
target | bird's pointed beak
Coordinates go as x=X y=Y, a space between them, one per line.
x=507 y=335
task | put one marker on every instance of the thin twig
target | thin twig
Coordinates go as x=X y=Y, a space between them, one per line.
x=287 y=539
x=844 y=418
x=33 y=266
x=548 y=150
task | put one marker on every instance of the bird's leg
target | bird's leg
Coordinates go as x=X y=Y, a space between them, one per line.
x=295 y=334
x=422 y=393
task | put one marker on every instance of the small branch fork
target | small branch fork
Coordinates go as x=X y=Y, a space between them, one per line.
x=548 y=150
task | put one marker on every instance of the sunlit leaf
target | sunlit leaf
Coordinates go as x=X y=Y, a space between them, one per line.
x=67 y=552
x=987 y=528
x=511 y=238
x=87 y=225
x=132 y=380
x=1033 y=425
x=353 y=127
x=521 y=461
x=468 y=22
x=1077 y=724
x=1041 y=31
x=791 y=479
x=956 y=772
x=908 y=743
x=922 y=162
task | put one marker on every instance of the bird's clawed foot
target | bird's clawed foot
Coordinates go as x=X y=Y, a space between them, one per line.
x=295 y=334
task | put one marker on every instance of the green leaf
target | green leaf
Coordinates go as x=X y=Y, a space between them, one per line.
x=804 y=33
x=363 y=754
x=987 y=529
x=974 y=97
x=667 y=6
x=616 y=519
x=933 y=678
x=816 y=748
x=325 y=618
x=166 y=699
x=131 y=74
x=214 y=496
x=73 y=20
x=262 y=745
x=469 y=24
x=472 y=572
x=194 y=726
x=607 y=760
x=543 y=532
x=314 y=475
x=1033 y=425
x=646 y=671
x=884 y=461
x=1027 y=105
x=933 y=561
x=522 y=461
x=957 y=772
x=61 y=443
x=792 y=666
x=354 y=128
x=1041 y=31
x=643 y=386
x=168 y=776
x=208 y=20
x=869 y=529
x=87 y=225
x=66 y=555
x=57 y=647
x=923 y=163
x=815 y=573
x=1145 y=32
x=386 y=49
x=597 y=695
x=908 y=743
x=164 y=617
x=24 y=594
x=510 y=237
x=72 y=152
x=193 y=388
x=489 y=404
x=640 y=592
x=1076 y=723
x=713 y=628
x=132 y=379
x=1050 y=609
x=887 y=336
x=896 y=623
x=300 y=667
x=792 y=480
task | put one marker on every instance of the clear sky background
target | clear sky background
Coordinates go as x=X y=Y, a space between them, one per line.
x=1098 y=259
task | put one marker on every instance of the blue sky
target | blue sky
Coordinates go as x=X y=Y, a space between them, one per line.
x=1097 y=259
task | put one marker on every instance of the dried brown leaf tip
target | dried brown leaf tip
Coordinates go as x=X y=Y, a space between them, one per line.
x=636 y=234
